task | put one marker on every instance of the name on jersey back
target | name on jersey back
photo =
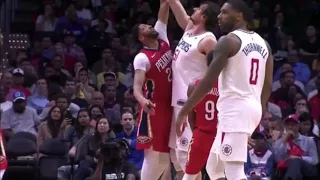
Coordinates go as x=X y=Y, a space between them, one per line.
x=255 y=47
x=164 y=61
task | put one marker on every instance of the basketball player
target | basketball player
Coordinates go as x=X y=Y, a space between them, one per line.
x=189 y=64
x=203 y=122
x=153 y=74
x=245 y=64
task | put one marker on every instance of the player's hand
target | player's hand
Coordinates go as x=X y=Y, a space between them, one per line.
x=179 y=123
x=148 y=106
x=251 y=143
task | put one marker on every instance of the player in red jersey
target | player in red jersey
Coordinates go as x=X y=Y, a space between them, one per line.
x=203 y=121
x=152 y=89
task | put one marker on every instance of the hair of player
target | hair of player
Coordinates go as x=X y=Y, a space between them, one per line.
x=135 y=33
x=211 y=12
x=241 y=6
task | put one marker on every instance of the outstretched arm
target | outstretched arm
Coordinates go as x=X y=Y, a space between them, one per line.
x=180 y=14
x=221 y=53
x=267 y=85
x=161 y=25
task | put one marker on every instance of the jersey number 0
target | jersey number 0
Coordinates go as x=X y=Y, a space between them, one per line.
x=254 y=71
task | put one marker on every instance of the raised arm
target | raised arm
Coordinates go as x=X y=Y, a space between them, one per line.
x=180 y=14
x=267 y=85
x=163 y=14
x=161 y=25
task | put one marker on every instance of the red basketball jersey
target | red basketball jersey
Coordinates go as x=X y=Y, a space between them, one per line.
x=158 y=84
x=206 y=111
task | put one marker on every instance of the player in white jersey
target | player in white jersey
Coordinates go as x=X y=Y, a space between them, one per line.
x=189 y=64
x=245 y=64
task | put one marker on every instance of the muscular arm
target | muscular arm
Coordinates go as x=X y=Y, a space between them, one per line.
x=192 y=113
x=207 y=45
x=163 y=13
x=161 y=24
x=180 y=14
x=267 y=85
x=140 y=64
x=223 y=50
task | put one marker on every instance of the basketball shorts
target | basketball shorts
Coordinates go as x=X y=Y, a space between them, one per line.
x=154 y=164
x=198 y=151
x=231 y=146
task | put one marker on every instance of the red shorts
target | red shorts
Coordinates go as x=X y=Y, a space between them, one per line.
x=159 y=128
x=199 y=150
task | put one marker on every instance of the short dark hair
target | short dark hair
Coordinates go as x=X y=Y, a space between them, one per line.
x=211 y=12
x=135 y=33
x=283 y=74
x=62 y=96
x=241 y=6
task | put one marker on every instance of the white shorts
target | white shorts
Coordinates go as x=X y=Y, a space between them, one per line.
x=231 y=146
x=154 y=164
x=182 y=143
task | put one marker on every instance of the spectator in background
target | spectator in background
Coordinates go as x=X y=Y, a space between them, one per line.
x=129 y=133
x=308 y=127
x=87 y=148
x=71 y=22
x=311 y=45
x=97 y=99
x=275 y=127
x=284 y=68
x=96 y=112
x=19 y=117
x=7 y=81
x=86 y=89
x=68 y=60
x=30 y=74
x=299 y=106
x=47 y=20
x=4 y=104
x=260 y=161
x=70 y=46
x=311 y=86
x=111 y=79
x=295 y=152
x=46 y=44
x=71 y=91
x=101 y=17
x=112 y=106
x=82 y=12
x=80 y=128
x=98 y=35
x=301 y=70
x=18 y=81
x=54 y=126
x=274 y=109
x=39 y=99
x=314 y=100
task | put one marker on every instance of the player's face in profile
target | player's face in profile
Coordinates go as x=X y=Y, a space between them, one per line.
x=227 y=18
x=148 y=31
x=198 y=13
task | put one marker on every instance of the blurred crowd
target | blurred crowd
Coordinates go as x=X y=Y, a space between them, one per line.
x=75 y=82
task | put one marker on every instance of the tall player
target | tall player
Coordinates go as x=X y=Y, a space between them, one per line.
x=153 y=74
x=245 y=62
x=189 y=64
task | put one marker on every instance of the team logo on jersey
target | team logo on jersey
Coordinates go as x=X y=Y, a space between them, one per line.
x=226 y=149
x=143 y=139
x=184 y=141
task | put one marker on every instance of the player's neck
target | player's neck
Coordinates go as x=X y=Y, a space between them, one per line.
x=198 y=29
x=152 y=44
x=242 y=27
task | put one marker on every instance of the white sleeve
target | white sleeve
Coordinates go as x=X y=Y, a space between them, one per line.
x=161 y=28
x=141 y=62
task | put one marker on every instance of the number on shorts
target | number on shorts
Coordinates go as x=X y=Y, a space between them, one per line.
x=209 y=107
x=254 y=71
x=169 y=73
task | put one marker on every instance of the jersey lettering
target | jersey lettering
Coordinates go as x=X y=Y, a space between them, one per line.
x=169 y=73
x=254 y=71
x=176 y=54
x=209 y=108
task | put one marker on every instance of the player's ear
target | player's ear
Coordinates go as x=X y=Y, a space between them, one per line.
x=239 y=16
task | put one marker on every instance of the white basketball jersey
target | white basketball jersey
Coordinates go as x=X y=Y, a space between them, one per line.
x=188 y=65
x=241 y=83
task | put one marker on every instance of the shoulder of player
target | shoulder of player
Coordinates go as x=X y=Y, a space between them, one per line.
x=140 y=57
x=207 y=44
x=268 y=46
x=228 y=44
